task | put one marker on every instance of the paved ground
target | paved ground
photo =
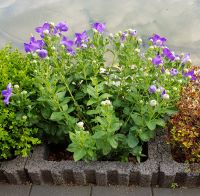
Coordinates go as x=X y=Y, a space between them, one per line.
x=45 y=190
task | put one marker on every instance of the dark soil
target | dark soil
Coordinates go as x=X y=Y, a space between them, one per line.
x=178 y=154
x=59 y=153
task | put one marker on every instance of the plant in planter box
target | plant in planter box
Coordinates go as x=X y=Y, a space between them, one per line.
x=103 y=95
x=185 y=125
x=17 y=134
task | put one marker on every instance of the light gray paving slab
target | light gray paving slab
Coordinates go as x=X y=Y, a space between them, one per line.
x=176 y=192
x=14 y=190
x=46 y=190
x=120 y=191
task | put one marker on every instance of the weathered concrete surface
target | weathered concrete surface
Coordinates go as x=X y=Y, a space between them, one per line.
x=13 y=171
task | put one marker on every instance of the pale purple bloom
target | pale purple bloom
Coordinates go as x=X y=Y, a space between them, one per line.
x=44 y=28
x=163 y=69
x=190 y=74
x=185 y=59
x=7 y=94
x=123 y=36
x=67 y=43
x=157 y=39
x=81 y=38
x=42 y=53
x=167 y=53
x=157 y=60
x=174 y=72
x=100 y=27
x=33 y=45
x=152 y=89
x=133 y=32
x=62 y=27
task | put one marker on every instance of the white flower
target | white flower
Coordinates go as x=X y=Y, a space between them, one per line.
x=111 y=35
x=95 y=31
x=24 y=117
x=133 y=66
x=137 y=50
x=153 y=102
x=46 y=31
x=116 y=83
x=151 y=47
x=16 y=86
x=106 y=102
x=167 y=72
x=165 y=96
x=102 y=70
x=80 y=125
x=24 y=92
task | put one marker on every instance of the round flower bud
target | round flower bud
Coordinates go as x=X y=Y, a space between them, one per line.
x=122 y=45
x=111 y=35
x=139 y=40
x=137 y=50
x=80 y=125
x=24 y=117
x=165 y=96
x=24 y=92
x=52 y=24
x=106 y=102
x=53 y=48
x=153 y=103
x=16 y=86
x=133 y=66
x=174 y=88
x=34 y=61
x=149 y=59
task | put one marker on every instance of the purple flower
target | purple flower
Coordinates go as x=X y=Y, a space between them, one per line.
x=42 y=53
x=190 y=74
x=185 y=59
x=157 y=60
x=81 y=38
x=157 y=40
x=133 y=32
x=62 y=27
x=68 y=45
x=174 y=72
x=7 y=94
x=163 y=69
x=167 y=53
x=100 y=27
x=33 y=45
x=163 y=93
x=45 y=28
x=152 y=89
x=123 y=36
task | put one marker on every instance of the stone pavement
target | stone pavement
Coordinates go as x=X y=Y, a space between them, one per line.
x=47 y=190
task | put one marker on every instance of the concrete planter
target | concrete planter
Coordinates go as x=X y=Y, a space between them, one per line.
x=170 y=171
x=42 y=171
x=13 y=171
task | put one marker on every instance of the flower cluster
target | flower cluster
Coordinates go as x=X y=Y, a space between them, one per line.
x=104 y=94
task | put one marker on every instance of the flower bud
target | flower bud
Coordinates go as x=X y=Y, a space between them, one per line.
x=24 y=92
x=165 y=96
x=137 y=50
x=24 y=117
x=16 y=86
x=80 y=125
x=153 y=103
x=106 y=102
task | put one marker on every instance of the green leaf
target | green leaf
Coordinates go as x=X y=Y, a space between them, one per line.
x=132 y=141
x=138 y=120
x=170 y=112
x=105 y=96
x=79 y=154
x=112 y=142
x=61 y=95
x=91 y=91
x=99 y=134
x=160 y=122
x=144 y=136
x=64 y=107
x=151 y=124
x=91 y=112
x=91 y=101
x=56 y=116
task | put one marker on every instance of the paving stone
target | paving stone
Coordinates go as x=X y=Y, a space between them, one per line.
x=14 y=190
x=120 y=191
x=45 y=190
x=176 y=192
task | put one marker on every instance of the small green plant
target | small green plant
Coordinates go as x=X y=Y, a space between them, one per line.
x=174 y=185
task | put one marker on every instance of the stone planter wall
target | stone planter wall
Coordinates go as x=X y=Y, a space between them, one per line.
x=13 y=171
x=159 y=169
x=170 y=171
x=102 y=173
